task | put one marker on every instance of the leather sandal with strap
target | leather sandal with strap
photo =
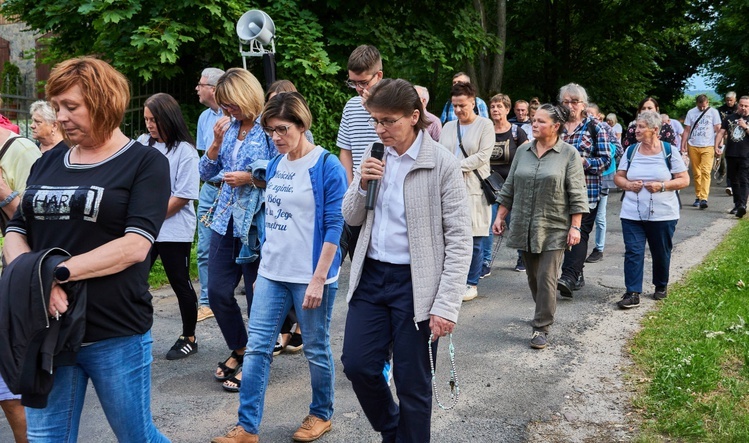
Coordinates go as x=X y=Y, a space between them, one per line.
x=227 y=371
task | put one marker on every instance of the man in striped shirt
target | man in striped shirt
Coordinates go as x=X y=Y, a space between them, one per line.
x=355 y=133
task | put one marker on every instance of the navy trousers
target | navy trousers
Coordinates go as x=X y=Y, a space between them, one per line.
x=381 y=315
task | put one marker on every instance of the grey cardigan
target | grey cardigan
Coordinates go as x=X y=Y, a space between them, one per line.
x=439 y=231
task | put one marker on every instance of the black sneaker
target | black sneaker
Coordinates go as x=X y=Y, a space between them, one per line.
x=629 y=300
x=703 y=204
x=696 y=203
x=660 y=293
x=538 y=340
x=579 y=283
x=734 y=210
x=565 y=286
x=295 y=344
x=520 y=265
x=594 y=256
x=182 y=348
x=486 y=271
x=740 y=212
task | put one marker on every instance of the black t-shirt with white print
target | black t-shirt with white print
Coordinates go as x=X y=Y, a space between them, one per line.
x=81 y=207
x=737 y=140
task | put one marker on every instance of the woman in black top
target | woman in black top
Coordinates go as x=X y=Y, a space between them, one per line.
x=103 y=201
x=508 y=138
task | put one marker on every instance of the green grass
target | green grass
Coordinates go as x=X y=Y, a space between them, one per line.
x=692 y=355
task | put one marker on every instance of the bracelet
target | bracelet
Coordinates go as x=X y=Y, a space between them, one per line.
x=663 y=186
x=8 y=199
x=576 y=227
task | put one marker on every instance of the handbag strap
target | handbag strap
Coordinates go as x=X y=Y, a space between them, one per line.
x=695 y=123
x=7 y=144
x=460 y=145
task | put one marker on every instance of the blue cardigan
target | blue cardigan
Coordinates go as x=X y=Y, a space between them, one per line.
x=329 y=184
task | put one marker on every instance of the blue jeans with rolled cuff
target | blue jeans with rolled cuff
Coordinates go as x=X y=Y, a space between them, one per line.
x=269 y=309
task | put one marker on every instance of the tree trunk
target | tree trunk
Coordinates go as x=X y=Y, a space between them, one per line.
x=495 y=86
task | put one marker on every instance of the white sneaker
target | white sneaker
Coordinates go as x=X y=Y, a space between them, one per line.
x=471 y=293
x=729 y=190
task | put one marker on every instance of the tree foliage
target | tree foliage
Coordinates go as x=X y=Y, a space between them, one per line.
x=620 y=50
x=725 y=45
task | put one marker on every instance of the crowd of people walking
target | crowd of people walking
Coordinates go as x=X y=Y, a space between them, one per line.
x=407 y=200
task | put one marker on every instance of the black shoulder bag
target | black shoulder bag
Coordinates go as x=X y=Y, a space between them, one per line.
x=492 y=184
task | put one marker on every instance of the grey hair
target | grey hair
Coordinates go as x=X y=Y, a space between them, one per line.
x=613 y=118
x=423 y=92
x=651 y=119
x=574 y=91
x=731 y=94
x=45 y=109
x=212 y=75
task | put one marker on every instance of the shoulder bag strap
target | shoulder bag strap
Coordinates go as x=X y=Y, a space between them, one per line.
x=7 y=145
x=460 y=144
x=695 y=123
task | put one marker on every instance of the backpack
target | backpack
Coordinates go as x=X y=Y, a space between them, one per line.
x=615 y=145
x=666 y=156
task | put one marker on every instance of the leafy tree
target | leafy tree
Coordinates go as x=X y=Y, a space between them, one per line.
x=724 y=43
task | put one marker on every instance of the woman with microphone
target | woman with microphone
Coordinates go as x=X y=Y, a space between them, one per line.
x=409 y=269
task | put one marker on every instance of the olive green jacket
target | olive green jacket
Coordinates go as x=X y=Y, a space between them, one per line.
x=543 y=193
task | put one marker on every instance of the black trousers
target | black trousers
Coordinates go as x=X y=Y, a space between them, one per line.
x=738 y=174
x=380 y=318
x=175 y=256
x=574 y=259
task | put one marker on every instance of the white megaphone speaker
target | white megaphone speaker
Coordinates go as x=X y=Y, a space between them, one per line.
x=256 y=25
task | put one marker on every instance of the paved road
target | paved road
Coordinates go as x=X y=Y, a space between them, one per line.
x=506 y=388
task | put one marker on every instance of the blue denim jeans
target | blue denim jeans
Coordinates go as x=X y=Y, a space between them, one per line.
x=208 y=194
x=488 y=242
x=120 y=369
x=659 y=235
x=601 y=223
x=225 y=276
x=474 y=271
x=270 y=306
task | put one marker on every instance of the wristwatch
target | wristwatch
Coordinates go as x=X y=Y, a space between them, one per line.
x=62 y=273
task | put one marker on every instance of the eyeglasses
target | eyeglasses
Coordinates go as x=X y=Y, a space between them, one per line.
x=280 y=130
x=206 y=85
x=373 y=122
x=571 y=102
x=361 y=84
x=228 y=107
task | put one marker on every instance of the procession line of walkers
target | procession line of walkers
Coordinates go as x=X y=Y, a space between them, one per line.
x=411 y=208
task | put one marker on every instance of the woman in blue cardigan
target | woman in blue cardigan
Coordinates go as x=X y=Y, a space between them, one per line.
x=299 y=266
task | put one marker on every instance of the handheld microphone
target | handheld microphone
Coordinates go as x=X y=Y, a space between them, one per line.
x=378 y=150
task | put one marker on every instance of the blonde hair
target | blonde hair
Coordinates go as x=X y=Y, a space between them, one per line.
x=239 y=87
x=106 y=92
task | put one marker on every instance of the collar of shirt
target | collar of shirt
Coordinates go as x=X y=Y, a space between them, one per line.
x=389 y=240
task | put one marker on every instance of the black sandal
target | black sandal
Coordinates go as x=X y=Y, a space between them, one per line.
x=230 y=388
x=227 y=371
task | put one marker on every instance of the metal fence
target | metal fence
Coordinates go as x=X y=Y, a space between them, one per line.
x=16 y=106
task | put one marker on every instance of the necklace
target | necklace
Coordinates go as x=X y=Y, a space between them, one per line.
x=453 y=383
x=650 y=212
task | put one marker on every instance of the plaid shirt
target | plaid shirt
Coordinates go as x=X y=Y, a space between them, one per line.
x=597 y=155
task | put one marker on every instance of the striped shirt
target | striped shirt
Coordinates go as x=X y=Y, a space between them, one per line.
x=355 y=134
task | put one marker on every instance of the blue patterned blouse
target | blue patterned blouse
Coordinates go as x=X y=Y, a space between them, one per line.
x=234 y=201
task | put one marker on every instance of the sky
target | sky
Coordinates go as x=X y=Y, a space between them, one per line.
x=699 y=82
